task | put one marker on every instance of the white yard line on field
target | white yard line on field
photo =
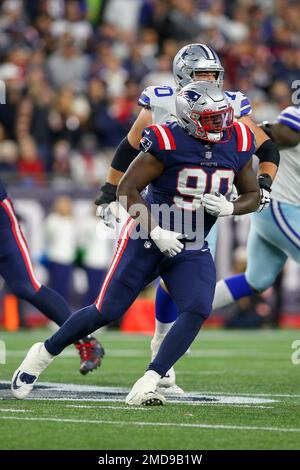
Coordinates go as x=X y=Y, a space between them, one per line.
x=108 y=407
x=154 y=424
x=15 y=410
x=127 y=408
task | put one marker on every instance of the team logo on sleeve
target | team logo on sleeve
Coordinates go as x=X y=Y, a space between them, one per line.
x=145 y=144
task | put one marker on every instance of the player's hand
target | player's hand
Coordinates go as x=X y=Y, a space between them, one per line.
x=108 y=213
x=167 y=241
x=217 y=205
x=265 y=182
x=105 y=201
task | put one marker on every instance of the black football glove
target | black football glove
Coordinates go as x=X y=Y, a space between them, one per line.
x=265 y=183
x=105 y=202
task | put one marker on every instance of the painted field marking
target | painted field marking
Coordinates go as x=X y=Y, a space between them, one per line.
x=145 y=408
x=108 y=407
x=154 y=424
x=91 y=393
x=15 y=410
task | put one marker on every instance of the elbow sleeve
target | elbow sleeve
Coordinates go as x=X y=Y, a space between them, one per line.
x=124 y=155
x=268 y=152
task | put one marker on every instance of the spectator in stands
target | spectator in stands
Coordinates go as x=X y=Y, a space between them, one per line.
x=30 y=166
x=60 y=245
x=96 y=246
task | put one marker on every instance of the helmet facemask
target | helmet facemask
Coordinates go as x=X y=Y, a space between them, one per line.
x=213 y=126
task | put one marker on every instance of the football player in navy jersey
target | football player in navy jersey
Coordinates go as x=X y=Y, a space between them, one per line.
x=192 y=62
x=16 y=269
x=188 y=166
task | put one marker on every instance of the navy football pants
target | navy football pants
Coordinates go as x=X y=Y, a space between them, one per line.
x=16 y=268
x=190 y=277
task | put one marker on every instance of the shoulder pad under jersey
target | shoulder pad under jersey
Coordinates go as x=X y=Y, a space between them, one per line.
x=290 y=116
x=155 y=96
x=240 y=103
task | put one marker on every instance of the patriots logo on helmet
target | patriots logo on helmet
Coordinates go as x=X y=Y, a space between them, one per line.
x=191 y=96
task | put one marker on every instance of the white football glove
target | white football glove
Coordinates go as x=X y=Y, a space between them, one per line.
x=109 y=213
x=265 y=199
x=167 y=241
x=217 y=205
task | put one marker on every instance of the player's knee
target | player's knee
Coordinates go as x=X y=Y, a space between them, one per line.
x=111 y=310
x=23 y=290
x=201 y=309
x=260 y=282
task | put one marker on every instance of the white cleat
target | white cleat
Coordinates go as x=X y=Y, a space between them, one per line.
x=26 y=375
x=167 y=385
x=144 y=393
x=172 y=391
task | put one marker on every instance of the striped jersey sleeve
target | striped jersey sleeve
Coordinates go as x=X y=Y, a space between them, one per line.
x=245 y=141
x=290 y=116
x=239 y=102
x=157 y=139
x=245 y=108
x=145 y=99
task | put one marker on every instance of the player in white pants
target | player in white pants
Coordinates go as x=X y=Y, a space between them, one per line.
x=275 y=232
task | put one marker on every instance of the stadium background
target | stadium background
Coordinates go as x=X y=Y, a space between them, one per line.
x=74 y=71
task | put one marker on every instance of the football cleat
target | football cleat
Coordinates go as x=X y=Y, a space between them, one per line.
x=91 y=353
x=167 y=384
x=24 y=378
x=144 y=393
x=172 y=391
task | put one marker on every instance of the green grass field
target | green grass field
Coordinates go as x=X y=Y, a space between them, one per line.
x=247 y=396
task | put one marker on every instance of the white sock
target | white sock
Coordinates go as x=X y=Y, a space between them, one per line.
x=45 y=354
x=223 y=296
x=162 y=328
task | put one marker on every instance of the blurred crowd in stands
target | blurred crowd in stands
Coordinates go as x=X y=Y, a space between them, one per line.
x=74 y=71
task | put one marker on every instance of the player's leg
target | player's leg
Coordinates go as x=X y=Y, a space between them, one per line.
x=265 y=259
x=166 y=313
x=133 y=266
x=17 y=270
x=193 y=295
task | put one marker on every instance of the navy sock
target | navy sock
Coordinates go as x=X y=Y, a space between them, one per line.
x=52 y=305
x=177 y=342
x=80 y=324
x=165 y=309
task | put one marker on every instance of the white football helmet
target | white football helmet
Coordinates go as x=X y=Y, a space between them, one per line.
x=196 y=58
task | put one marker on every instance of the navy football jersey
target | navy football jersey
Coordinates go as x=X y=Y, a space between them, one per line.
x=193 y=167
x=3 y=193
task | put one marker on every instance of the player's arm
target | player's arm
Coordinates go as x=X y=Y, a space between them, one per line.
x=126 y=152
x=248 y=200
x=266 y=150
x=128 y=148
x=281 y=134
x=269 y=158
x=144 y=169
x=248 y=190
